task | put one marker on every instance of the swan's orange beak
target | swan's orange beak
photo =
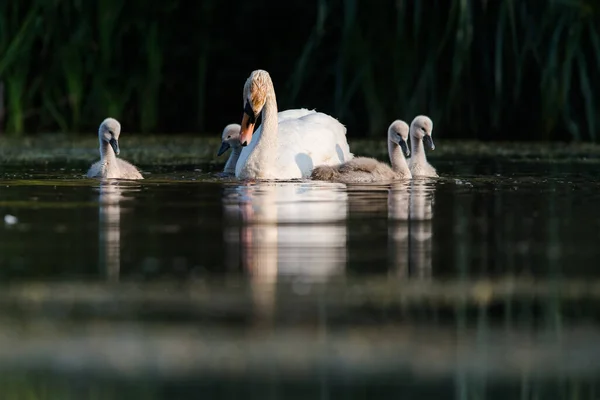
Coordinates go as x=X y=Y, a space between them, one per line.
x=247 y=130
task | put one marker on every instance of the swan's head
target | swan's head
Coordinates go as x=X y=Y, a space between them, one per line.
x=255 y=97
x=421 y=129
x=109 y=132
x=398 y=133
x=230 y=138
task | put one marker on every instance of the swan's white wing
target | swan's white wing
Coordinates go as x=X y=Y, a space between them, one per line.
x=306 y=138
x=294 y=113
x=281 y=116
x=308 y=141
x=337 y=134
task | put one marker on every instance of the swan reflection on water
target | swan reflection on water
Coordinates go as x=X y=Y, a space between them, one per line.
x=410 y=214
x=289 y=230
x=286 y=229
x=109 y=226
x=299 y=230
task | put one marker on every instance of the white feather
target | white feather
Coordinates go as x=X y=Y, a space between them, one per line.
x=305 y=139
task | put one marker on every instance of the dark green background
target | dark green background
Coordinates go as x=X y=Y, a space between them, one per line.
x=491 y=70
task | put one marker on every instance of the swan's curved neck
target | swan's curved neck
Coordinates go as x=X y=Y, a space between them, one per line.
x=232 y=161
x=107 y=154
x=265 y=150
x=417 y=150
x=397 y=159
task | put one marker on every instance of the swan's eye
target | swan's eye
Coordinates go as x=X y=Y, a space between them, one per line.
x=229 y=137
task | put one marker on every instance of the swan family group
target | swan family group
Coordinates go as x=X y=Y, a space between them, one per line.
x=291 y=144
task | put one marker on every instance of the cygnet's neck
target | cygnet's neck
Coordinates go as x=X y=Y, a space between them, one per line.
x=417 y=150
x=233 y=159
x=397 y=159
x=107 y=154
x=110 y=167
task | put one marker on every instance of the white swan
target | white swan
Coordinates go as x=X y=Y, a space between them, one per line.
x=294 y=113
x=109 y=165
x=369 y=170
x=287 y=149
x=421 y=129
x=230 y=138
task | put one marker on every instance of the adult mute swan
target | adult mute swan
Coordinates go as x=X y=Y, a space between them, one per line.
x=421 y=129
x=368 y=170
x=286 y=149
x=109 y=165
x=230 y=138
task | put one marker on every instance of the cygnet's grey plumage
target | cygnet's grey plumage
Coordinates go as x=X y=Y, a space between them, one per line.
x=370 y=170
x=421 y=129
x=230 y=139
x=109 y=166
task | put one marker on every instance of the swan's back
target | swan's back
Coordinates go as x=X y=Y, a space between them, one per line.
x=124 y=170
x=421 y=169
x=370 y=170
x=127 y=170
x=313 y=139
x=294 y=113
x=95 y=170
x=362 y=164
x=357 y=170
x=306 y=138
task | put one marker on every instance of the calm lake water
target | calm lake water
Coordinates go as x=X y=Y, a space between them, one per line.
x=480 y=284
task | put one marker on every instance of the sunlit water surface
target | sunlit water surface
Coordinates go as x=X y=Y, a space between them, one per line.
x=480 y=284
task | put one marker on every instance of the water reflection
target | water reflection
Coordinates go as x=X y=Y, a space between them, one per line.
x=294 y=230
x=109 y=227
x=398 y=216
x=410 y=212
x=300 y=230
x=525 y=329
x=399 y=229
x=291 y=230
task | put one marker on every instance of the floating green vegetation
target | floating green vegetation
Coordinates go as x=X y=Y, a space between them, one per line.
x=173 y=150
x=148 y=150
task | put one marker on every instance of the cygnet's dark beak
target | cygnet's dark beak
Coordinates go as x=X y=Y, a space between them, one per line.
x=224 y=147
x=404 y=148
x=115 y=145
x=428 y=142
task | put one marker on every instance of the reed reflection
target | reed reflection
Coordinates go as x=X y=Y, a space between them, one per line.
x=109 y=227
x=291 y=230
x=410 y=212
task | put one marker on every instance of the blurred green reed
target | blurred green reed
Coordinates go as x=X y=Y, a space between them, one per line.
x=482 y=69
x=150 y=87
x=16 y=38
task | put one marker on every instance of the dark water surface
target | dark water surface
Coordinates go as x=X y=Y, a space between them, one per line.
x=481 y=284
